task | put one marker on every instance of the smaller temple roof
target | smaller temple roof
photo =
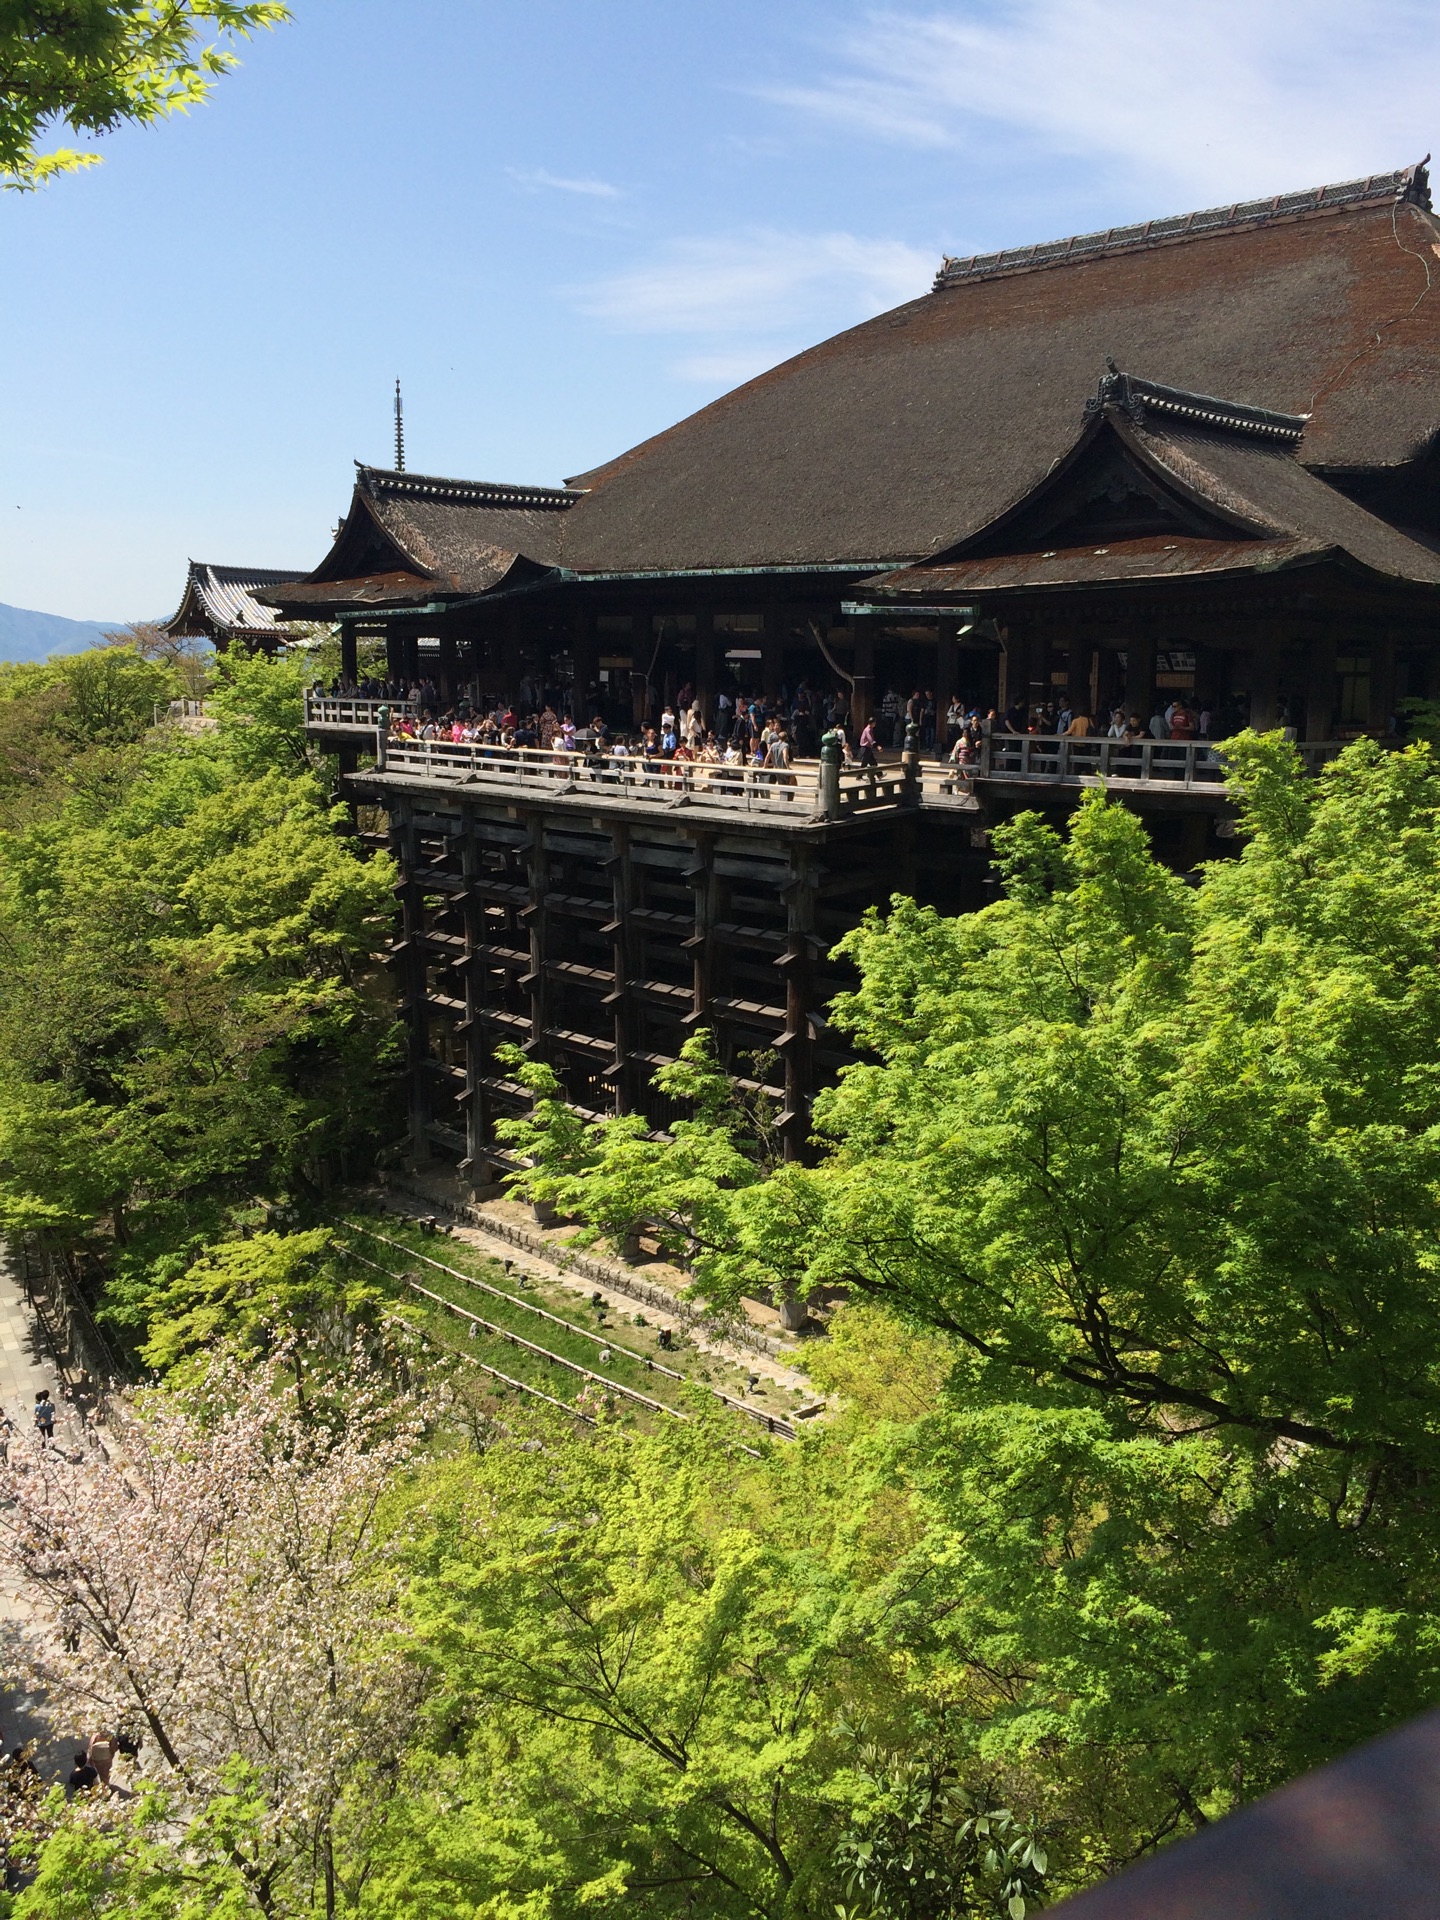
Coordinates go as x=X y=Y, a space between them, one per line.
x=1164 y=484
x=417 y=537
x=221 y=602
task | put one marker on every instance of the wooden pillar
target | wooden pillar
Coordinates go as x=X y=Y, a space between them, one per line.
x=796 y=1043
x=449 y=675
x=772 y=654
x=946 y=680
x=1140 y=677
x=478 y=1114
x=1208 y=677
x=618 y=999
x=349 y=653
x=1382 y=682
x=701 y=876
x=395 y=655
x=1015 y=670
x=1079 y=676
x=413 y=988
x=1320 y=687
x=512 y=659
x=1265 y=678
x=586 y=658
x=537 y=877
x=862 y=696
x=705 y=663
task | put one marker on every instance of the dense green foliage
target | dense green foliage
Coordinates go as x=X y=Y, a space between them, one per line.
x=189 y=1013
x=92 y=65
x=1161 y=1162
x=1122 y=1516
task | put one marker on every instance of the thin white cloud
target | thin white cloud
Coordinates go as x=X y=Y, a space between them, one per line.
x=759 y=282
x=1214 y=100
x=536 y=179
x=748 y=300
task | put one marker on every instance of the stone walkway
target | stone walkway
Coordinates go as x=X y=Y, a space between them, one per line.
x=26 y=1366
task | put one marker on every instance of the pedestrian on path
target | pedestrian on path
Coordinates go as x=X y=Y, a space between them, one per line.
x=45 y=1417
x=82 y=1777
x=102 y=1750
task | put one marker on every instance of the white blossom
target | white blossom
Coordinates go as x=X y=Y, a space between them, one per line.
x=215 y=1585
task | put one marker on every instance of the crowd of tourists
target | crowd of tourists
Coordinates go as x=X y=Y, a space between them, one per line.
x=1175 y=718
x=744 y=729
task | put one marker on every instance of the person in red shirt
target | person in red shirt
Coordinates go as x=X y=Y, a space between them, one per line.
x=1182 y=722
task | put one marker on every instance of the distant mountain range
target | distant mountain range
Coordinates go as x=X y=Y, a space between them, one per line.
x=25 y=635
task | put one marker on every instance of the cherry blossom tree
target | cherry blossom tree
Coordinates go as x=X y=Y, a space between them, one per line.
x=217 y=1586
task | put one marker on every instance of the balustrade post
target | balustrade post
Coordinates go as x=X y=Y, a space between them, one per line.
x=830 y=776
x=910 y=766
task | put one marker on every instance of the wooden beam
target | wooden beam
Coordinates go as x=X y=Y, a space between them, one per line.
x=1320 y=687
x=705 y=663
x=621 y=885
x=585 y=657
x=1265 y=676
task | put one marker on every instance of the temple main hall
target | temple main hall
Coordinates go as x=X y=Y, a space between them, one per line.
x=1194 y=457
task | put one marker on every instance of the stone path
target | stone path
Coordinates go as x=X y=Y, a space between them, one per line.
x=25 y=1367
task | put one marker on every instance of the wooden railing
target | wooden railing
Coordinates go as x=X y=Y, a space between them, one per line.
x=1065 y=760
x=805 y=791
x=653 y=783
x=349 y=711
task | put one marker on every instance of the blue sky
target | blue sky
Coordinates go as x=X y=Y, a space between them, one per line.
x=566 y=224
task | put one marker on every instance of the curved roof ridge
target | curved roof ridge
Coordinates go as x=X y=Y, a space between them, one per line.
x=389 y=483
x=231 y=575
x=1410 y=183
x=1138 y=397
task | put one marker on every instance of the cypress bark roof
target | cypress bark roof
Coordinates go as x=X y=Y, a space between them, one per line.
x=892 y=438
x=410 y=538
x=1162 y=483
x=888 y=441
